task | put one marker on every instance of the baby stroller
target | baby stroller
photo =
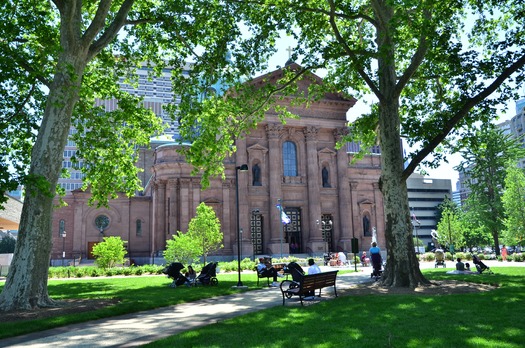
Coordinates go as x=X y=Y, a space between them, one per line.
x=173 y=272
x=297 y=273
x=208 y=275
x=326 y=258
x=480 y=266
x=377 y=262
x=440 y=258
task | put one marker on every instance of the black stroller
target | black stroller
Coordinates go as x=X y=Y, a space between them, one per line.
x=208 y=275
x=377 y=262
x=297 y=274
x=173 y=272
x=480 y=266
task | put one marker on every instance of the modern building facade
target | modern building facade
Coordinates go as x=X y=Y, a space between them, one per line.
x=295 y=168
x=517 y=127
x=424 y=197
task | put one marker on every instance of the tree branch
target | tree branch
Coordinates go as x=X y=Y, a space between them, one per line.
x=98 y=22
x=416 y=60
x=112 y=31
x=460 y=114
x=351 y=54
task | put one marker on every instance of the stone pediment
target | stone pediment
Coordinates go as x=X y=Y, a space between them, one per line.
x=327 y=151
x=365 y=202
x=304 y=84
x=257 y=147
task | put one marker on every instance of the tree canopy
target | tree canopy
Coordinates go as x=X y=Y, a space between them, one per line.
x=486 y=156
x=514 y=204
x=432 y=75
x=57 y=57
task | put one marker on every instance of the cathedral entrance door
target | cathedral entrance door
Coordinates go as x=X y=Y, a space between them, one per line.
x=256 y=230
x=292 y=231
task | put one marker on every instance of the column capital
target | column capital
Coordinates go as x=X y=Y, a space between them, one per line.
x=311 y=133
x=273 y=130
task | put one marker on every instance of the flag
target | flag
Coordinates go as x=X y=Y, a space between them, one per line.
x=285 y=219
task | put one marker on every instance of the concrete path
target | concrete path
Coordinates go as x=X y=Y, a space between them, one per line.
x=136 y=329
x=140 y=328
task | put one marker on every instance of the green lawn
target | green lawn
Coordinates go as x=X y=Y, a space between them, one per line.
x=488 y=319
x=135 y=294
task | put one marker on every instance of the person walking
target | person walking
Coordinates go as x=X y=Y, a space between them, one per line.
x=504 y=253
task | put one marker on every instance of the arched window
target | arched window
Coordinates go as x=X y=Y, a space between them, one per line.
x=326 y=177
x=139 y=227
x=256 y=174
x=289 y=159
x=367 y=232
x=61 y=228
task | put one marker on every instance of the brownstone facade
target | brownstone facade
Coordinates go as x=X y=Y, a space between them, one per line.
x=328 y=200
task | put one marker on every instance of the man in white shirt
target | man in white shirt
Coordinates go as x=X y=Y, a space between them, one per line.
x=313 y=269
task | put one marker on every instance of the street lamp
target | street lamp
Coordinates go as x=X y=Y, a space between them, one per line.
x=243 y=168
x=63 y=247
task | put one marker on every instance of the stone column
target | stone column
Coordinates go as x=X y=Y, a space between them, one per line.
x=172 y=202
x=241 y=157
x=195 y=192
x=343 y=191
x=226 y=221
x=315 y=238
x=355 y=214
x=159 y=215
x=185 y=204
x=273 y=132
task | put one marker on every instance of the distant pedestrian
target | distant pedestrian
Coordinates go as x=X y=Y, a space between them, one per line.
x=504 y=253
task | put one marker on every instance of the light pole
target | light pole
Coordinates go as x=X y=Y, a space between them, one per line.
x=282 y=225
x=63 y=247
x=243 y=168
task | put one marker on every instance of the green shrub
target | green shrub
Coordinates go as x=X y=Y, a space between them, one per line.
x=518 y=257
x=461 y=255
x=109 y=272
x=428 y=257
x=93 y=272
x=137 y=270
x=109 y=252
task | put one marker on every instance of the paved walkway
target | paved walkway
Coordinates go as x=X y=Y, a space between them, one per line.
x=136 y=329
x=140 y=328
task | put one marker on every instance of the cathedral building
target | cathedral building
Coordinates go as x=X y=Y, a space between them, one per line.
x=297 y=193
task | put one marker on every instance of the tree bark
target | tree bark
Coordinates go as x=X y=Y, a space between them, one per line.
x=26 y=283
x=402 y=266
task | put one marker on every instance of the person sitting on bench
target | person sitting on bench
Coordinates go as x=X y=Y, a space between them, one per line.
x=266 y=270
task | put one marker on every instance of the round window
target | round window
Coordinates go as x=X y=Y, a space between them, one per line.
x=102 y=222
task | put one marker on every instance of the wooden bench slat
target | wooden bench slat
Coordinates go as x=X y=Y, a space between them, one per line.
x=312 y=282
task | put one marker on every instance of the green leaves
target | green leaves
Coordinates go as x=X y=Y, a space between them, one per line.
x=204 y=236
x=109 y=252
x=514 y=204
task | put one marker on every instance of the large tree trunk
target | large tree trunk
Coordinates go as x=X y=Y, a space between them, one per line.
x=26 y=284
x=402 y=266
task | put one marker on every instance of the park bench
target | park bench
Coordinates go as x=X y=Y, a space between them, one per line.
x=278 y=267
x=307 y=284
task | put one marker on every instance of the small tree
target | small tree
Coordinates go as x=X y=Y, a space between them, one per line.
x=514 y=204
x=7 y=245
x=205 y=230
x=182 y=247
x=449 y=228
x=109 y=252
